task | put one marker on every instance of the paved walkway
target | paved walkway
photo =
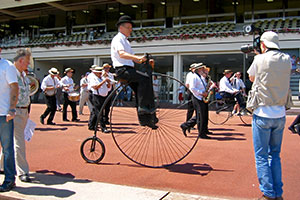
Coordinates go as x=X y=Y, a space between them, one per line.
x=48 y=187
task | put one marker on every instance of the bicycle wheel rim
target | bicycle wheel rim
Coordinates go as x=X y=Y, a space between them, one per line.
x=217 y=116
x=246 y=118
x=92 y=150
x=158 y=148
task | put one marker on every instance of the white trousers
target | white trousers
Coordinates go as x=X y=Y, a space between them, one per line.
x=84 y=98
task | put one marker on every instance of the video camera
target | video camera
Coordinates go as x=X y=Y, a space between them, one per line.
x=256 y=40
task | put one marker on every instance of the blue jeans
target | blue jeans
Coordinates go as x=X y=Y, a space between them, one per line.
x=7 y=143
x=267 y=139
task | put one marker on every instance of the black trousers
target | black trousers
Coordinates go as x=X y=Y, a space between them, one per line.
x=296 y=121
x=141 y=84
x=97 y=104
x=65 y=106
x=201 y=109
x=107 y=107
x=91 y=97
x=51 y=108
x=238 y=97
x=190 y=108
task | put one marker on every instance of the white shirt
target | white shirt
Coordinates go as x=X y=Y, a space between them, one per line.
x=225 y=86
x=89 y=78
x=265 y=111
x=49 y=82
x=188 y=78
x=103 y=90
x=238 y=84
x=67 y=82
x=111 y=77
x=155 y=85
x=8 y=75
x=83 y=81
x=118 y=43
x=197 y=85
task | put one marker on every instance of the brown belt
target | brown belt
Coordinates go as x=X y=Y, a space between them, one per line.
x=22 y=107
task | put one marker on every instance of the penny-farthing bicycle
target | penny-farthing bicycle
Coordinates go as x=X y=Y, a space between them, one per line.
x=145 y=146
x=221 y=112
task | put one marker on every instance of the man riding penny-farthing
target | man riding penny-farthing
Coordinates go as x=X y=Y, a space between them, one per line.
x=145 y=134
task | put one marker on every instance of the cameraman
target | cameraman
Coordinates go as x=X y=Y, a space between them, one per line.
x=270 y=74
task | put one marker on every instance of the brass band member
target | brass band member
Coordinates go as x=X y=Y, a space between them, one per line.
x=67 y=85
x=106 y=73
x=48 y=86
x=188 y=79
x=227 y=91
x=198 y=85
x=99 y=86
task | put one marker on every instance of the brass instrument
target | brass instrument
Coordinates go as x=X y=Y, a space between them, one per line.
x=208 y=89
x=105 y=74
x=33 y=84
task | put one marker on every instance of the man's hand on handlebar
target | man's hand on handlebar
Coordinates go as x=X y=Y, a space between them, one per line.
x=141 y=59
x=152 y=63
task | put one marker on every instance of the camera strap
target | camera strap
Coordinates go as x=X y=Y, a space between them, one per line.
x=272 y=49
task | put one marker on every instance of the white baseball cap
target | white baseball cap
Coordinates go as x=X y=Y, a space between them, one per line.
x=270 y=39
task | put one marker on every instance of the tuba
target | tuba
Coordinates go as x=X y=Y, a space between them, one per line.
x=33 y=84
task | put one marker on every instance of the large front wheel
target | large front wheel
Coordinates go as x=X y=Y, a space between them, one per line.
x=159 y=147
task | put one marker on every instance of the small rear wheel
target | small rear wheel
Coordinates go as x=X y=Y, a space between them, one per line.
x=92 y=150
x=219 y=112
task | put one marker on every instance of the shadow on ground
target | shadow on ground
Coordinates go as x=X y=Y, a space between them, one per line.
x=194 y=168
x=46 y=178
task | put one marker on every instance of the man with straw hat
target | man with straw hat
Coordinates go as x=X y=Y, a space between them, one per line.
x=188 y=79
x=106 y=73
x=48 y=86
x=228 y=91
x=100 y=87
x=67 y=85
x=197 y=86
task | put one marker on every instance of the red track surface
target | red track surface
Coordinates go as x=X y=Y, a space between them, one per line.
x=221 y=167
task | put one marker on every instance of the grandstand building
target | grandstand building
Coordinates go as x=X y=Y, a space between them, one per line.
x=77 y=33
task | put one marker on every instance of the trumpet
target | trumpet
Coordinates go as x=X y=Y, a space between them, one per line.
x=105 y=74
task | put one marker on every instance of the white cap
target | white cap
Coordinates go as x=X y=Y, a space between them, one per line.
x=270 y=39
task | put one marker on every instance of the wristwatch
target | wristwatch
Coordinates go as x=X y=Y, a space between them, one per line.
x=13 y=110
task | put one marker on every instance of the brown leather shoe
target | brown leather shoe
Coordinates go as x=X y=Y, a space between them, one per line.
x=266 y=198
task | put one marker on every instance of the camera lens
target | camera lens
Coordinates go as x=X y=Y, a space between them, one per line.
x=247 y=48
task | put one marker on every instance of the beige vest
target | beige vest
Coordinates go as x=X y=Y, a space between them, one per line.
x=272 y=81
